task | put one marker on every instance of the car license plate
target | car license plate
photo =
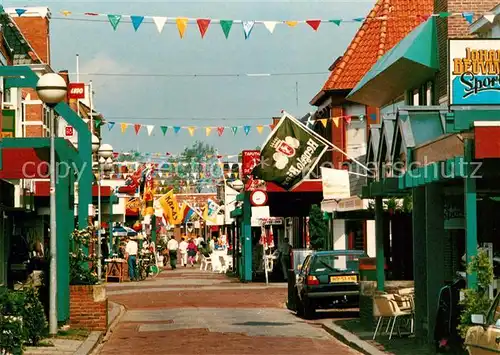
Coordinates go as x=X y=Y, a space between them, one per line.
x=343 y=278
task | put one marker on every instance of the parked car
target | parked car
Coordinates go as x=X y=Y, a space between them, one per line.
x=484 y=337
x=327 y=280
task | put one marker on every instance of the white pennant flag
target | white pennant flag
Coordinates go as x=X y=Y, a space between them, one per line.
x=159 y=22
x=270 y=25
x=490 y=17
x=248 y=27
x=160 y=174
x=150 y=129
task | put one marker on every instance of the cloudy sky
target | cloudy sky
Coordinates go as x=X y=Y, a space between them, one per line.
x=202 y=101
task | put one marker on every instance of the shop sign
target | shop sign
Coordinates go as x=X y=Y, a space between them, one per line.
x=68 y=131
x=250 y=159
x=474 y=72
x=454 y=216
x=350 y=204
x=76 y=91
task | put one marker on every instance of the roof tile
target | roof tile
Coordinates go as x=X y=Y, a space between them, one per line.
x=387 y=23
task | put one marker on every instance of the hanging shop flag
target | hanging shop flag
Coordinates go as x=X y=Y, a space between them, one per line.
x=234 y=129
x=292 y=23
x=226 y=26
x=137 y=128
x=160 y=23
x=314 y=24
x=246 y=129
x=170 y=207
x=260 y=129
x=203 y=26
x=290 y=153
x=208 y=130
x=150 y=129
x=136 y=21
x=164 y=129
x=123 y=127
x=187 y=213
x=220 y=131
x=337 y=22
x=247 y=28
x=114 y=20
x=182 y=23
x=111 y=125
x=211 y=211
x=324 y=121
x=336 y=185
x=270 y=25
x=176 y=129
x=191 y=130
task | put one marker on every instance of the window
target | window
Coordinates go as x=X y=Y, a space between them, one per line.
x=423 y=96
x=356 y=138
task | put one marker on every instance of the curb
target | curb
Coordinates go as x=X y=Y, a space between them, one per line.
x=350 y=339
x=108 y=333
x=89 y=344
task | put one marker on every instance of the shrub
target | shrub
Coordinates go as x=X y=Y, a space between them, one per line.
x=11 y=329
x=79 y=272
x=33 y=315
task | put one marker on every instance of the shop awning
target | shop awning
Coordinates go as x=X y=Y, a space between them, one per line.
x=407 y=65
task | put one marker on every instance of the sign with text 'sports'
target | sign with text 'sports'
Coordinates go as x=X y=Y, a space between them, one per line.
x=76 y=91
x=474 y=72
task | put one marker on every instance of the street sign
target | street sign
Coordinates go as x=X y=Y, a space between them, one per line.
x=68 y=131
x=250 y=159
x=76 y=91
x=258 y=198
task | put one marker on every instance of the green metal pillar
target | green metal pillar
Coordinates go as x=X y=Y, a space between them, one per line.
x=247 y=239
x=110 y=233
x=435 y=242
x=470 y=212
x=419 y=261
x=153 y=228
x=379 y=242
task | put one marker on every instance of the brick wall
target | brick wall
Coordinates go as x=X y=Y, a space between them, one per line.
x=338 y=137
x=89 y=307
x=36 y=30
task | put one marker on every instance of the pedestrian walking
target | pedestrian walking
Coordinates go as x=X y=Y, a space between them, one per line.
x=192 y=250
x=285 y=250
x=172 y=247
x=131 y=249
x=183 y=249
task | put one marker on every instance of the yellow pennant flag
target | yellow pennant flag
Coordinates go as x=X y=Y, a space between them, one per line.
x=259 y=129
x=324 y=121
x=191 y=130
x=336 y=121
x=208 y=130
x=123 y=127
x=292 y=23
x=66 y=12
x=182 y=23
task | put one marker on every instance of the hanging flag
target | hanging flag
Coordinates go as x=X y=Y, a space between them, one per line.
x=176 y=129
x=373 y=116
x=182 y=23
x=336 y=121
x=444 y=14
x=208 y=130
x=292 y=23
x=97 y=123
x=114 y=20
x=226 y=26
x=211 y=211
x=203 y=26
x=314 y=24
x=271 y=126
x=191 y=130
x=220 y=130
x=136 y=21
x=292 y=151
x=170 y=207
x=359 y=19
x=270 y=25
x=111 y=125
x=164 y=129
x=137 y=128
x=123 y=127
x=91 y=14
x=469 y=17
x=324 y=121
x=187 y=213
x=259 y=129
x=150 y=129
x=160 y=23
x=347 y=119
x=234 y=129
x=246 y=129
x=65 y=12
x=337 y=22
x=247 y=28
x=361 y=118
x=490 y=17
x=20 y=12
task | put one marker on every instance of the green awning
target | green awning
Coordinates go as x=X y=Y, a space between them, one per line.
x=407 y=65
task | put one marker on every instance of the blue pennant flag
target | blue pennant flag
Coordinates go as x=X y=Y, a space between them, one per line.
x=373 y=116
x=111 y=125
x=177 y=129
x=136 y=21
x=469 y=17
x=246 y=129
x=19 y=12
x=359 y=19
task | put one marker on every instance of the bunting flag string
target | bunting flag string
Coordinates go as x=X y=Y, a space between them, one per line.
x=227 y=24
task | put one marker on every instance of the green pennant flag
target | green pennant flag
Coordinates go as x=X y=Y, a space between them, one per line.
x=234 y=129
x=114 y=20
x=290 y=153
x=226 y=26
x=444 y=14
x=337 y=22
x=164 y=129
x=97 y=123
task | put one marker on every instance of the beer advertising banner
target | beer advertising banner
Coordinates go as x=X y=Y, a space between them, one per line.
x=474 y=72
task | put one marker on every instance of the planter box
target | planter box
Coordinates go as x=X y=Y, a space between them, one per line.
x=88 y=307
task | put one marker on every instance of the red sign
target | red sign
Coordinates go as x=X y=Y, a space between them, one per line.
x=68 y=131
x=250 y=159
x=76 y=91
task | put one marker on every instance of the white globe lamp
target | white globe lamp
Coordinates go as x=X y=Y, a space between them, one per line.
x=51 y=89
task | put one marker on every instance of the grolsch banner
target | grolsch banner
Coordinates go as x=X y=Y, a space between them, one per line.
x=290 y=153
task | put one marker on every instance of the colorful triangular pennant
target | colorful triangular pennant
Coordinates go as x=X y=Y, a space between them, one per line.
x=324 y=122
x=358 y=19
x=469 y=17
x=97 y=123
x=20 y=12
x=336 y=121
x=160 y=23
x=114 y=20
x=260 y=129
x=66 y=12
x=490 y=17
x=292 y=23
x=373 y=116
x=314 y=24
x=234 y=129
x=246 y=129
x=247 y=28
x=220 y=131
x=203 y=26
x=164 y=129
x=123 y=127
x=111 y=125
x=270 y=26
x=137 y=128
x=271 y=126
x=150 y=129
x=182 y=23
x=191 y=130
x=444 y=14
x=347 y=119
x=208 y=130
x=176 y=129
x=226 y=26
x=337 y=22
x=136 y=21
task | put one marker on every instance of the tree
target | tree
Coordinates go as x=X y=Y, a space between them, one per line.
x=318 y=228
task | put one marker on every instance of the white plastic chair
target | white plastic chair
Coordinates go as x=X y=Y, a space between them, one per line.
x=223 y=264
x=205 y=262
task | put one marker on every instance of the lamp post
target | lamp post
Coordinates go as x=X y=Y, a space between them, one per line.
x=51 y=89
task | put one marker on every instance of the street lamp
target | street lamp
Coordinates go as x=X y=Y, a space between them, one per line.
x=52 y=89
x=95 y=143
x=237 y=185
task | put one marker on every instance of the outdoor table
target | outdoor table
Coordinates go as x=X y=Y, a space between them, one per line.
x=116 y=269
x=216 y=265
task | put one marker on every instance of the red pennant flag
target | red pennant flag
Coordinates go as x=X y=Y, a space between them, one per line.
x=137 y=128
x=347 y=119
x=219 y=156
x=425 y=17
x=314 y=24
x=203 y=26
x=220 y=130
x=272 y=126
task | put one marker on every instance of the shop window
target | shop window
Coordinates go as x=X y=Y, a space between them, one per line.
x=356 y=138
x=423 y=96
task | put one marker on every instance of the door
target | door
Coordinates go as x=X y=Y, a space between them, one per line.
x=486 y=340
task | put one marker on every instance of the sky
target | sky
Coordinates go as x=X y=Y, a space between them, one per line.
x=201 y=101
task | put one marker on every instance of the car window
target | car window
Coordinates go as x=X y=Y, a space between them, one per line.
x=305 y=265
x=494 y=312
x=335 y=263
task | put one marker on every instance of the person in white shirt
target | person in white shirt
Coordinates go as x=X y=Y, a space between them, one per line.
x=131 y=255
x=172 y=247
x=183 y=249
x=198 y=240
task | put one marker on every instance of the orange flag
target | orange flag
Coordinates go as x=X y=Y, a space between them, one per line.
x=137 y=128
x=259 y=129
x=123 y=126
x=182 y=23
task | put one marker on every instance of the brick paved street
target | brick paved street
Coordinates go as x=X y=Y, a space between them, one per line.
x=191 y=312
